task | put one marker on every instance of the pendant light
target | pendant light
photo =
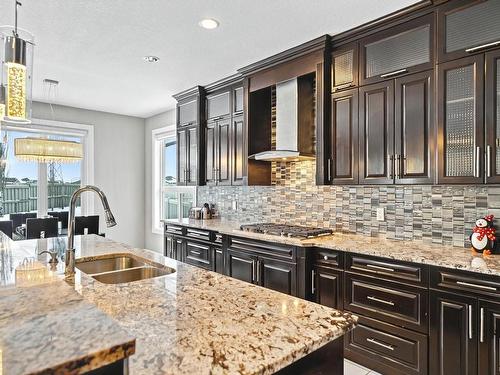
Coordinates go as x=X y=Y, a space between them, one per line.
x=16 y=53
x=45 y=150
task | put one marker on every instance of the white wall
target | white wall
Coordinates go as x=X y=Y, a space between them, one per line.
x=151 y=240
x=118 y=166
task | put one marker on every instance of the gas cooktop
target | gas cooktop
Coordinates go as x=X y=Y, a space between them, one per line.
x=286 y=230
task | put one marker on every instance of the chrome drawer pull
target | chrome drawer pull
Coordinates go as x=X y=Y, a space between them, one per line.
x=484 y=287
x=376 y=342
x=481 y=330
x=197 y=246
x=395 y=73
x=313 y=289
x=204 y=234
x=390 y=303
x=487 y=45
x=195 y=252
x=380 y=268
x=325 y=257
x=469 y=310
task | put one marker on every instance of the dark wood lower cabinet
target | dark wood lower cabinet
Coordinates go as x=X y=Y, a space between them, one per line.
x=489 y=334
x=277 y=275
x=453 y=334
x=241 y=266
x=386 y=348
x=326 y=288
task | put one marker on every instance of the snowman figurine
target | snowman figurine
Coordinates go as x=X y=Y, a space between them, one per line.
x=483 y=235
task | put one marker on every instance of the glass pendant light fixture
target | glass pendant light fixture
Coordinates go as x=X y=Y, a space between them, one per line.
x=16 y=53
x=45 y=150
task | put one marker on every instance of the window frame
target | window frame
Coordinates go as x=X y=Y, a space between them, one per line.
x=86 y=133
x=158 y=136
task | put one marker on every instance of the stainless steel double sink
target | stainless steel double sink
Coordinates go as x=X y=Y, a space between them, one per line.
x=121 y=268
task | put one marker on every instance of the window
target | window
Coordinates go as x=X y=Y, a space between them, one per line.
x=169 y=200
x=28 y=186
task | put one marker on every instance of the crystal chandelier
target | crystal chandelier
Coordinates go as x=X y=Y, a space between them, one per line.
x=16 y=53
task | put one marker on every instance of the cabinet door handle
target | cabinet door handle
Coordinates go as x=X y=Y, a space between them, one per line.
x=397 y=166
x=469 y=310
x=371 y=298
x=329 y=169
x=488 y=161
x=313 y=289
x=477 y=160
x=253 y=271
x=380 y=268
x=383 y=345
x=390 y=158
x=197 y=246
x=395 y=73
x=258 y=271
x=343 y=86
x=484 y=287
x=482 y=46
x=481 y=326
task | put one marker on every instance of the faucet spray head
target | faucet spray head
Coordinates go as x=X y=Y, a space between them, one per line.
x=110 y=219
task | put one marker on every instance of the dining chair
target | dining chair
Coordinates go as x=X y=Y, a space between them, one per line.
x=6 y=227
x=41 y=228
x=91 y=223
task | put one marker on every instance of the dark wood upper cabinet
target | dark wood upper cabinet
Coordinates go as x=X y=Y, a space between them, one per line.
x=404 y=49
x=460 y=118
x=467 y=27
x=238 y=100
x=238 y=151
x=188 y=158
x=413 y=136
x=188 y=112
x=342 y=165
x=211 y=153
x=453 y=334
x=492 y=116
x=223 y=152
x=345 y=67
x=218 y=105
x=376 y=132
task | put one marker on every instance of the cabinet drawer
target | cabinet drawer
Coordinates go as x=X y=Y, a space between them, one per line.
x=198 y=234
x=387 y=348
x=262 y=248
x=465 y=282
x=379 y=267
x=401 y=305
x=198 y=254
x=329 y=258
x=174 y=229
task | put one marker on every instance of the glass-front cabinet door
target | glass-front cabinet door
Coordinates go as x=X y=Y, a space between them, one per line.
x=492 y=100
x=460 y=119
x=467 y=27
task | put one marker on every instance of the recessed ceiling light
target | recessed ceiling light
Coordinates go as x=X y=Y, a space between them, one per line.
x=151 y=59
x=209 y=23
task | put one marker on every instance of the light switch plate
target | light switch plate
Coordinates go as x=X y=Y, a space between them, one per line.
x=380 y=214
x=235 y=205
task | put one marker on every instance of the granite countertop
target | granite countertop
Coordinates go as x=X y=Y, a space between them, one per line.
x=47 y=327
x=409 y=251
x=195 y=321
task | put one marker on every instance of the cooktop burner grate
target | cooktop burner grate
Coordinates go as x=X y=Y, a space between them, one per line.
x=286 y=230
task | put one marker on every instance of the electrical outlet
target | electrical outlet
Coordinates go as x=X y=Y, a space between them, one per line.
x=235 y=205
x=380 y=214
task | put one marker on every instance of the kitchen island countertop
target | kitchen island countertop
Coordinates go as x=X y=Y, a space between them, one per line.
x=192 y=321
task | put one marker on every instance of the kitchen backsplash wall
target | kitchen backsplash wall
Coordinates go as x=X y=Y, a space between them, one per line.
x=438 y=214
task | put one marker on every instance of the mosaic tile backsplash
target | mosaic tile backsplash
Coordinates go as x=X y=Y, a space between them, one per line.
x=437 y=214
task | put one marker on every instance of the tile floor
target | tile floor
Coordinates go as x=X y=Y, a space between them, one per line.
x=351 y=368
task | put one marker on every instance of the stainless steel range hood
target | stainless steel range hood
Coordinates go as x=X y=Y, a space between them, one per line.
x=294 y=121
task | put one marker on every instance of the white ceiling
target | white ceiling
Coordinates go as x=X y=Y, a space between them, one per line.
x=95 y=47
